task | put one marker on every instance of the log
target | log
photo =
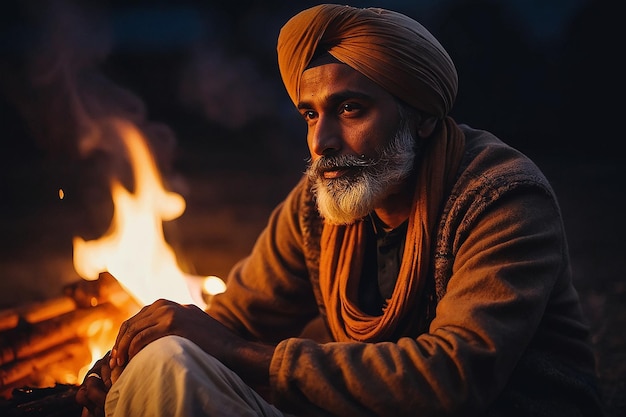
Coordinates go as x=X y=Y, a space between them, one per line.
x=105 y=289
x=24 y=341
x=35 y=312
x=49 y=342
x=82 y=293
x=34 y=364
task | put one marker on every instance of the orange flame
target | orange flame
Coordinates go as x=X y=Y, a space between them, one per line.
x=134 y=249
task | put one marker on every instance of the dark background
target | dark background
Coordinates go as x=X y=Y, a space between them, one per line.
x=200 y=78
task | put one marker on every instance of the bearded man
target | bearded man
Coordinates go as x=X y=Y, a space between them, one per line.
x=420 y=267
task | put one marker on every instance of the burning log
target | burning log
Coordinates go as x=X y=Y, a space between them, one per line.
x=35 y=312
x=81 y=294
x=34 y=364
x=46 y=343
x=105 y=289
x=23 y=341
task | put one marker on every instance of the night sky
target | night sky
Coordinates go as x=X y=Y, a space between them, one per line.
x=541 y=74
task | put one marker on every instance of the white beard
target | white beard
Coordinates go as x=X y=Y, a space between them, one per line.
x=350 y=198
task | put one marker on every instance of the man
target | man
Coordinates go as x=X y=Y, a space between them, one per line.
x=419 y=268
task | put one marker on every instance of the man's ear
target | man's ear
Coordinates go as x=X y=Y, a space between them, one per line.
x=427 y=126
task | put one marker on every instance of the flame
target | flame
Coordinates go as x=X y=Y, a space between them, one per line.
x=213 y=285
x=100 y=333
x=134 y=249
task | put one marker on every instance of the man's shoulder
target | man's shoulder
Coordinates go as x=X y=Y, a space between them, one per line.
x=488 y=159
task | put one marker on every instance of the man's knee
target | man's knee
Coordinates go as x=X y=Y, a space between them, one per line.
x=163 y=349
x=172 y=357
x=161 y=369
x=172 y=376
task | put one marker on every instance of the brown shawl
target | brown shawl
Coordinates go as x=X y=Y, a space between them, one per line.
x=405 y=59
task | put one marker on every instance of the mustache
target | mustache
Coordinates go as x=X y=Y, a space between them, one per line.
x=315 y=168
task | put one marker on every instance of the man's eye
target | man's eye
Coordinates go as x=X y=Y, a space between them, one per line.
x=349 y=108
x=308 y=114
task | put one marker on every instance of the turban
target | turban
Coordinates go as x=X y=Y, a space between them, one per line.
x=391 y=49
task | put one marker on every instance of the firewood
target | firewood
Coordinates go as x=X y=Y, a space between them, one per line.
x=82 y=293
x=26 y=340
x=36 y=311
x=105 y=289
x=48 y=342
x=18 y=370
x=9 y=319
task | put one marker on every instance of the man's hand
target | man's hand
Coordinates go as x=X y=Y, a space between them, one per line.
x=159 y=319
x=163 y=318
x=92 y=393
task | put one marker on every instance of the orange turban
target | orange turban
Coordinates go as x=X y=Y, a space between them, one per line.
x=388 y=47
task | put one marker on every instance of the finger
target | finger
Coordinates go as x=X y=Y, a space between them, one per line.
x=93 y=381
x=121 y=334
x=95 y=369
x=95 y=393
x=91 y=396
x=143 y=338
x=105 y=373
x=134 y=332
x=124 y=328
x=97 y=398
x=113 y=358
x=115 y=374
x=81 y=396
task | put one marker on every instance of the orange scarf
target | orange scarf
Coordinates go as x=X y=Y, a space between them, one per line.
x=342 y=249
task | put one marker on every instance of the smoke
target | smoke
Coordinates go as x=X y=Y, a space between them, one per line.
x=61 y=92
x=226 y=89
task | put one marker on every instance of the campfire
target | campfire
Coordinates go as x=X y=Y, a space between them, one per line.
x=46 y=348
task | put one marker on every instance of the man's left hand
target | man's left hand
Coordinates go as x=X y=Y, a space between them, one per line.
x=92 y=392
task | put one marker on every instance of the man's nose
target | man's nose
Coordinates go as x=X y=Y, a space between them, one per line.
x=325 y=137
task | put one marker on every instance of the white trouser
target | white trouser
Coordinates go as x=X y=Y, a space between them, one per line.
x=174 y=377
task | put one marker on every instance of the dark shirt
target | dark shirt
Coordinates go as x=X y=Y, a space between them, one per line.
x=383 y=257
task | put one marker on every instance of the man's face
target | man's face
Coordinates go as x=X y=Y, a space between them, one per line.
x=360 y=150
